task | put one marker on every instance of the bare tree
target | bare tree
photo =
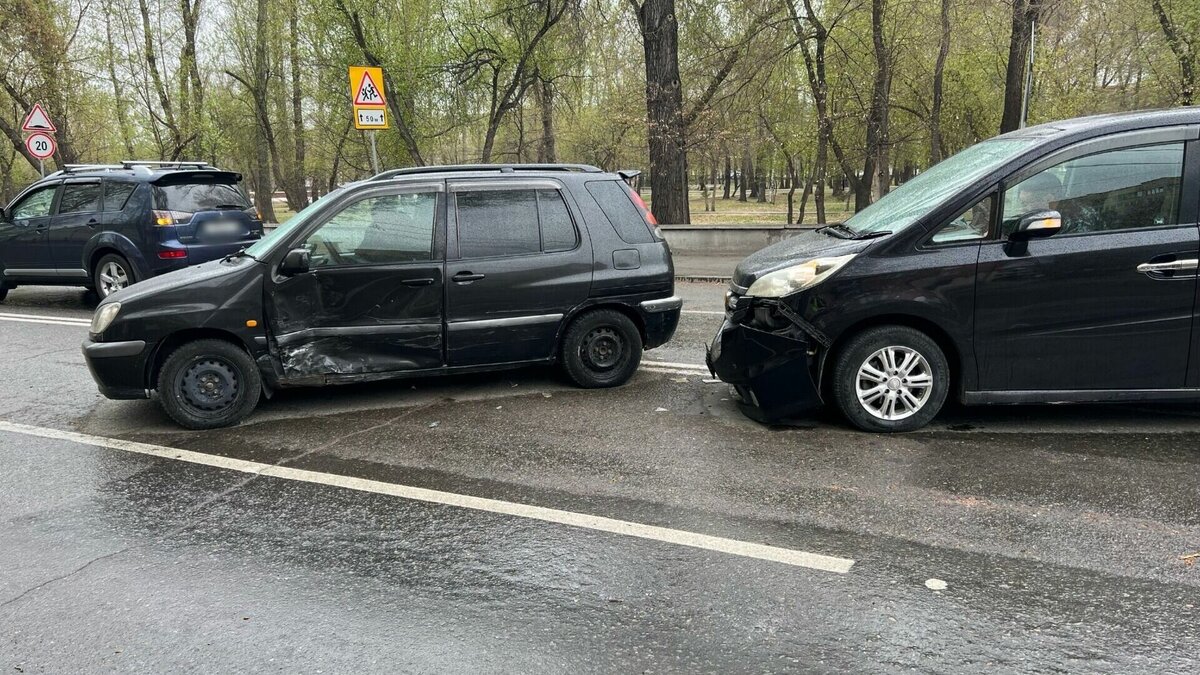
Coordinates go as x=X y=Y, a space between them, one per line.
x=939 y=74
x=1024 y=14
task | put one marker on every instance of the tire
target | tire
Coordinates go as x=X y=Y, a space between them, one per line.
x=601 y=348
x=208 y=384
x=3 y=292
x=111 y=274
x=894 y=400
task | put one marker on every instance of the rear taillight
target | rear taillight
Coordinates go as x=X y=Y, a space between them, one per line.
x=637 y=200
x=169 y=218
x=172 y=254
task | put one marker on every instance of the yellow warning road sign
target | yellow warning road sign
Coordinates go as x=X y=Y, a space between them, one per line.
x=370 y=118
x=366 y=86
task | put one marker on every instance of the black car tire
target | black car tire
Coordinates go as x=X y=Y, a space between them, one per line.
x=601 y=348
x=208 y=384
x=111 y=259
x=875 y=346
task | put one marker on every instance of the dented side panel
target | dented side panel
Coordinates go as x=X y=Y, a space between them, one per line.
x=358 y=321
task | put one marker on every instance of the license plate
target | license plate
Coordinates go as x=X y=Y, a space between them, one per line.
x=223 y=228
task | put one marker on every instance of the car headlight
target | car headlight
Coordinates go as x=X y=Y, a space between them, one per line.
x=104 y=317
x=797 y=277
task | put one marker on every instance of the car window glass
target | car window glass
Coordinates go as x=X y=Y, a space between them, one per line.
x=79 y=198
x=1115 y=190
x=971 y=224
x=35 y=204
x=558 y=232
x=377 y=230
x=497 y=222
x=193 y=197
x=116 y=194
x=620 y=211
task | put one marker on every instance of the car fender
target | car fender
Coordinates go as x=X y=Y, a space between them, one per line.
x=120 y=243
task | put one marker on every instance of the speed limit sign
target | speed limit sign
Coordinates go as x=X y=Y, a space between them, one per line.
x=40 y=145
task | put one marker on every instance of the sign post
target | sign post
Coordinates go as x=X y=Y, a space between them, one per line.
x=370 y=104
x=40 y=142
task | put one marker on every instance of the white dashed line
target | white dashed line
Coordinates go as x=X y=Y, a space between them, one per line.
x=787 y=556
x=44 y=318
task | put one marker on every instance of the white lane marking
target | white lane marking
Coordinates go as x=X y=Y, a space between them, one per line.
x=676 y=371
x=702 y=311
x=673 y=364
x=52 y=320
x=787 y=556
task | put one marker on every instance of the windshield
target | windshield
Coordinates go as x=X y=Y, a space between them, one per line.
x=906 y=204
x=264 y=245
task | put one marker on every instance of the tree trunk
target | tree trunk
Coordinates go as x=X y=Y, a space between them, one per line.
x=164 y=100
x=745 y=175
x=1024 y=13
x=191 y=92
x=939 y=72
x=875 y=163
x=118 y=91
x=547 y=149
x=728 y=177
x=808 y=186
x=1184 y=47
x=298 y=157
x=791 y=195
x=664 y=111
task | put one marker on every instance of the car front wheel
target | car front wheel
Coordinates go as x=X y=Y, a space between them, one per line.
x=209 y=384
x=891 y=378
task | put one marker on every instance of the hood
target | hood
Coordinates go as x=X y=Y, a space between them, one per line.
x=189 y=276
x=793 y=251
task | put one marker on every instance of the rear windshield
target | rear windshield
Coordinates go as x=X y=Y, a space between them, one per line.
x=193 y=197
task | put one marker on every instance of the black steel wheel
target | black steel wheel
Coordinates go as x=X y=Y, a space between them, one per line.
x=208 y=384
x=601 y=348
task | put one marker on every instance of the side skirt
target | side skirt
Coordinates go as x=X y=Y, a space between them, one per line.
x=1078 y=396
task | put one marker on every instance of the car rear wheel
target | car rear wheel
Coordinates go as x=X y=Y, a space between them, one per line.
x=602 y=348
x=209 y=384
x=112 y=273
x=891 y=378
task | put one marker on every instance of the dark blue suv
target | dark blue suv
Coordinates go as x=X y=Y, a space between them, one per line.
x=108 y=226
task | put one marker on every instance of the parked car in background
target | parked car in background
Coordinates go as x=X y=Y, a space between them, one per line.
x=1054 y=263
x=414 y=272
x=108 y=226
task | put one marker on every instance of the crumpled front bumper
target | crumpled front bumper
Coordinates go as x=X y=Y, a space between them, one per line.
x=771 y=370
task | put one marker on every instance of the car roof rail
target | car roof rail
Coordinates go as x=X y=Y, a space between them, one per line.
x=165 y=164
x=498 y=168
x=76 y=168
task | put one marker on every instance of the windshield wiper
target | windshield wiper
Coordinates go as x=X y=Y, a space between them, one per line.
x=872 y=235
x=239 y=207
x=837 y=230
x=237 y=254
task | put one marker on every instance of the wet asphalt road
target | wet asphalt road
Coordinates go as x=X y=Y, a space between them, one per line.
x=1058 y=530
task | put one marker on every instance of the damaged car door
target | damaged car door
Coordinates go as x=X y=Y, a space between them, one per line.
x=366 y=299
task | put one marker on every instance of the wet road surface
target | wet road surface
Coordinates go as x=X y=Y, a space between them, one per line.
x=1058 y=531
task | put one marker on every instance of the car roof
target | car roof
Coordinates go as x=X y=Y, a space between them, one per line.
x=1093 y=125
x=554 y=171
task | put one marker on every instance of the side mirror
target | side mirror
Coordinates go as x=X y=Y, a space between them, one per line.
x=295 y=262
x=1036 y=225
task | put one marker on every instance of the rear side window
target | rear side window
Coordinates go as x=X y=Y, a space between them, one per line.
x=79 y=198
x=497 y=222
x=116 y=194
x=558 y=232
x=193 y=197
x=620 y=211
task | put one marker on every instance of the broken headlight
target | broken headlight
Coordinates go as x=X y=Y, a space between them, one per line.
x=797 y=277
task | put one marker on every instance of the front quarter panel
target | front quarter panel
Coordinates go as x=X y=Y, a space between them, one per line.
x=934 y=285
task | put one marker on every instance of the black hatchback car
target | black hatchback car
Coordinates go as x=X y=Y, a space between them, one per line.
x=1057 y=263
x=414 y=272
x=106 y=226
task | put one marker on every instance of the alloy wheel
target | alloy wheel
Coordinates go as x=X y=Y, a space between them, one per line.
x=894 y=383
x=113 y=277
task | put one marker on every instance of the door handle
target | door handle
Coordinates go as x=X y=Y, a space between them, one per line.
x=417 y=282
x=1172 y=266
x=466 y=277
x=92 y=222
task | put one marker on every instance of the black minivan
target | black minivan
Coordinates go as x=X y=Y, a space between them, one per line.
x=414 y=272
x=1057 y=263
x=106 y=226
